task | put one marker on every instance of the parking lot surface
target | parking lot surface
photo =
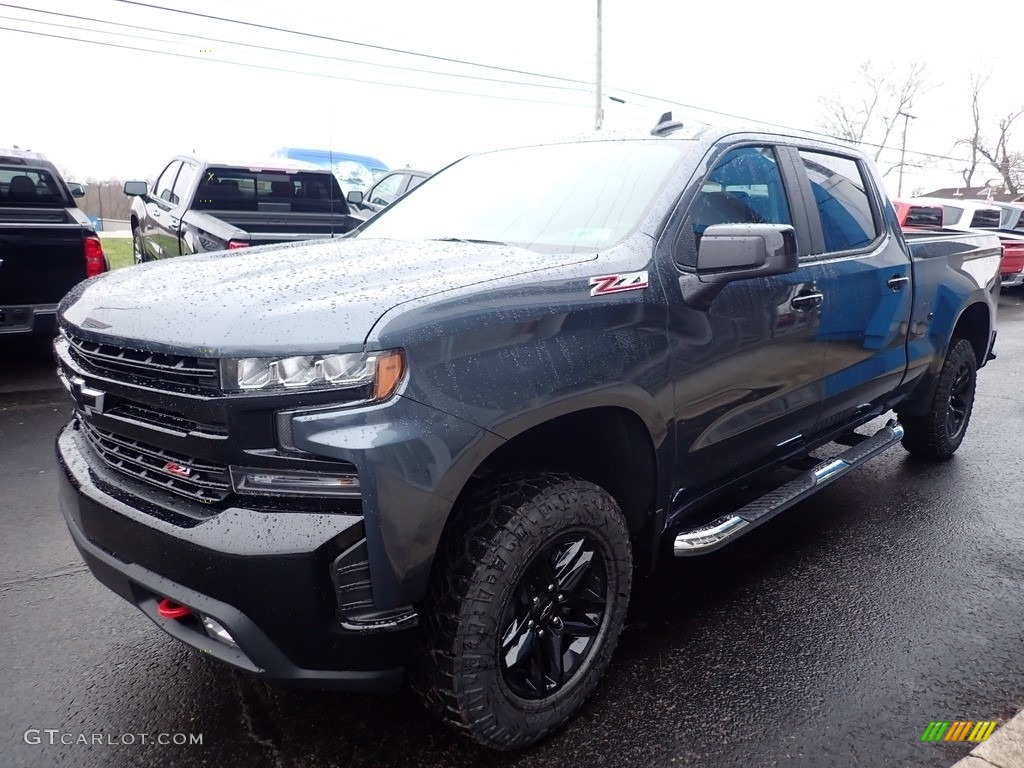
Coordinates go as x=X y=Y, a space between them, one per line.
x=832 y=636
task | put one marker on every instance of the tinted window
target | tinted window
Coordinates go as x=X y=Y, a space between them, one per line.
x=185 y=176
x=165 y=183
x=745 y=187
x=985 y=219
x=20 y=185
x=553 y=198
x=386 y=190
x=843 y=203
x=923 y=216
x=243 y=189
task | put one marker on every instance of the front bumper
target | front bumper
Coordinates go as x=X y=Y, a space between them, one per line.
x=264 y=576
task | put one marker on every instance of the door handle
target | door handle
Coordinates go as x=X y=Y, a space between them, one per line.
x=155 y=213
x=806 y=301
x=896 y=282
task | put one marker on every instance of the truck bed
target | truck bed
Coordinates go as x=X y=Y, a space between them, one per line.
x=41 y=255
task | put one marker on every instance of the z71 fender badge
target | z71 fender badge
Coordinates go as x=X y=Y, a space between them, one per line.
x=630 y=281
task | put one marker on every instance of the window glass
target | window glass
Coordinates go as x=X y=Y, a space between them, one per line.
x=985 y=219
x=414 y=182
x=555 y=198
x=166 y=181
x=184 y=181
x=243 y=189
x=745 y=187
x=20 y=185
x=843 y=203
x=386 y=190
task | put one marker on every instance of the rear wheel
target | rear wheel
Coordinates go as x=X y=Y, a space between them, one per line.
x=525 y=608
x=938 y=433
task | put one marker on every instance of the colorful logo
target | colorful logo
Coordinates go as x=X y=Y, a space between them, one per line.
x=959 y=730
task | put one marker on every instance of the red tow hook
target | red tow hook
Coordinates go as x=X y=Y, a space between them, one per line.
x=169 y=609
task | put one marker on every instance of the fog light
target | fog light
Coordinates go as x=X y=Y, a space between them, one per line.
x=216 y=630
x=294 y=483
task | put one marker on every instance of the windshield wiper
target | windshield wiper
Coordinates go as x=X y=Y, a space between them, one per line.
x=468 y=240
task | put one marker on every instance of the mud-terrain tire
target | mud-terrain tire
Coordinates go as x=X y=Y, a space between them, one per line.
x=138 y=249
x=937 y=434
x=526 y=603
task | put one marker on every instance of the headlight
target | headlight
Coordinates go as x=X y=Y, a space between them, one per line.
x=380 y=370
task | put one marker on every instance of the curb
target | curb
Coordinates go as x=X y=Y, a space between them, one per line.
x=1005 y=749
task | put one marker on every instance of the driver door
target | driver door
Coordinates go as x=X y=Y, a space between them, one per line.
x=746 y=362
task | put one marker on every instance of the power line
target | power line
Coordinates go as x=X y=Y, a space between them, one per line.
x=264 y=47
x=649 y=97
x=505 y=69
x=284 y=70
x=328 y=38
x=787 y=127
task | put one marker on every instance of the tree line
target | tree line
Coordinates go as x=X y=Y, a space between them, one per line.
x=878 y=105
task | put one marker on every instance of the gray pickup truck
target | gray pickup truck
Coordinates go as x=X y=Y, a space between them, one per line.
x=47 y=244
x=197 y=206
x=445 y=446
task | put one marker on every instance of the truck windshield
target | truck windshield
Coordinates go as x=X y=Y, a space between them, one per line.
x=247 y=189
x=20 y=185
x=554 y=198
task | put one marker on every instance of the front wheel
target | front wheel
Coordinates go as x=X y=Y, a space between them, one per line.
x=937 y=434
x=525 y=608
x=137 y=248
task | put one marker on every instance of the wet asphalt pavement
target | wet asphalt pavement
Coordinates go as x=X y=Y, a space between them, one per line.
x=829 y=637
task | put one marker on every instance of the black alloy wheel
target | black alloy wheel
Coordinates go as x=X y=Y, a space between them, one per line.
x=552 y=623
x=937 y=433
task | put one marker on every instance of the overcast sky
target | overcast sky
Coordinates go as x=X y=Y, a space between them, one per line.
x=104 y=111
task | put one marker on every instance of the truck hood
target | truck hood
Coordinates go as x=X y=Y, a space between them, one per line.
x=286 y=299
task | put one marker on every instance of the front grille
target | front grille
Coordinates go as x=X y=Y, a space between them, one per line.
x=164 y=420
x=151 y=367
x=192 y=478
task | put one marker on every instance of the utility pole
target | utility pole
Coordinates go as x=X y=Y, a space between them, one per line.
x=99 y=193
x=599 y=112
x=903 y=151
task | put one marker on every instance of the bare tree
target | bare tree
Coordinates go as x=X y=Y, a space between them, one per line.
x=1009 y=164
x=869 y=109
x=977 y=83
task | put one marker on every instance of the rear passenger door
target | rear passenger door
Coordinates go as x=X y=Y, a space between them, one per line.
x=863 y=276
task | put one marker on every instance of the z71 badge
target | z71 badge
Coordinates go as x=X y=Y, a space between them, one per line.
x=605 y=284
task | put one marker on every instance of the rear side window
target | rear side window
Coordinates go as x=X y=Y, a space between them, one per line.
x=165 y=183
x=21 y=185
x=985 y=219
x=184 y=181
x=242 y=189
x=844 y=206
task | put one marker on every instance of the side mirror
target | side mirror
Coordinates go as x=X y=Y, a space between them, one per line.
x=355 y=197
x=136 y=188
x=738 y=251
x=76 y=189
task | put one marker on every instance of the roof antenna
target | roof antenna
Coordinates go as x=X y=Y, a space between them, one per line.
x=666 y=125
